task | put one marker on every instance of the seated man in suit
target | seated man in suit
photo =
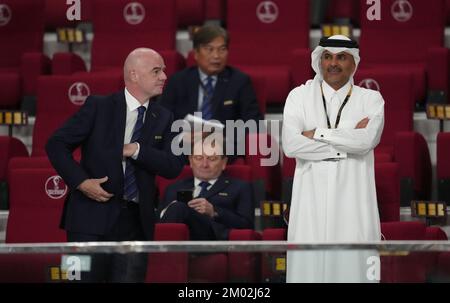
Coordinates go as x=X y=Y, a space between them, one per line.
x=218 y=203
x=219 y=91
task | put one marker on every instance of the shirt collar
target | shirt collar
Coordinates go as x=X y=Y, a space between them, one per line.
x=197 y=182
x=132 y=102
x=329 y=92
x=204 y=76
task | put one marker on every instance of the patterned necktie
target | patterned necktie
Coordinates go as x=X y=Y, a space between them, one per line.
x=208 y=91
x=204 y=185
x=130 y=187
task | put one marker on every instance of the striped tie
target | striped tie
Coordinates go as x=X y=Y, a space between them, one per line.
x=130 y=187
x=208 y=91
x=204 y=185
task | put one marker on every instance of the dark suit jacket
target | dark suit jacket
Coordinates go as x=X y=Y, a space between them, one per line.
x=232 y=200
x=233 y=99
x=99 y=128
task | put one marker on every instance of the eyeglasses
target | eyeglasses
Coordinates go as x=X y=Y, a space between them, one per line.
x=209 y=49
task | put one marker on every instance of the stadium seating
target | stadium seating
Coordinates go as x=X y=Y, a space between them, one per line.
x=200 y=267
x=55 y=14
x=190 y=12
x=416 y=266
x=399 y=142
x=410 y=267
x=387 y=186
x=217 y=267
x=409 y=36
x=10 y=147
x=264 y=38
x=287 y=173
x=443 y=166
x=36 y=202
x=261 y=149
x=22 y=22
x=343 y=11
x=59 y=97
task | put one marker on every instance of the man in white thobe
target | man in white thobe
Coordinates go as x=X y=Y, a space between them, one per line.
x=331 y=126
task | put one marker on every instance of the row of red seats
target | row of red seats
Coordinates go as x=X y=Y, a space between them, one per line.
x=37 y=196
x=195 y=12
x=58 y=97
x=412 y=267
x=188 y=12
x=284 y=36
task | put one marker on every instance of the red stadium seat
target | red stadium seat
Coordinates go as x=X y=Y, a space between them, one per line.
x=259 y=83
x=412 y=267
x=387 y=186
x=443 y=166
x=393 y=43
x=287 y=173
x=9 y=147
x=147 y=23
x=399 y=143
x=415 y=266
x=262 y=40
x=215 y=10
x=343 y=11
x=261 y=149
x=217 y=267
x=190 y=12
x=21 y=59
x=36 y=203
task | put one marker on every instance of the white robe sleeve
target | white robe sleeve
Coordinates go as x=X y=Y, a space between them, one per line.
x=295 y=145
x=357 y=141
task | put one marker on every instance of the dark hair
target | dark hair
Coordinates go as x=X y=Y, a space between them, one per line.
x=208 y=33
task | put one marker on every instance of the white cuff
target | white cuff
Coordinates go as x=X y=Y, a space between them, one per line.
x=136 y=153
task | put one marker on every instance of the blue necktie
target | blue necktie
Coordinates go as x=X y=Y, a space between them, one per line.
x=130 y=187
x=208 y=91
x=204 y=185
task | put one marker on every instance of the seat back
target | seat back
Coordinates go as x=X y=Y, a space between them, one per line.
x=59 y=97
x=275 y=27
x=401 y=23
x=263 y=156
x=36 y=202
x=387 y=182
x=443 y=166
x=396 y=88
x=21 y=29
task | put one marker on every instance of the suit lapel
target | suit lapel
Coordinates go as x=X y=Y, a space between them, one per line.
x=193 y=84
x=120 y=112
x=219 y=92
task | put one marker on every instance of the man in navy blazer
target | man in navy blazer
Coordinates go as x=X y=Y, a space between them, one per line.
x=125 y=141
x=232 y=96
x=218 y=203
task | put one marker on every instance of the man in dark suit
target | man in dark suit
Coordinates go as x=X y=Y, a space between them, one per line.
x=218 y=203
x=219 y=91
x=125 y=141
